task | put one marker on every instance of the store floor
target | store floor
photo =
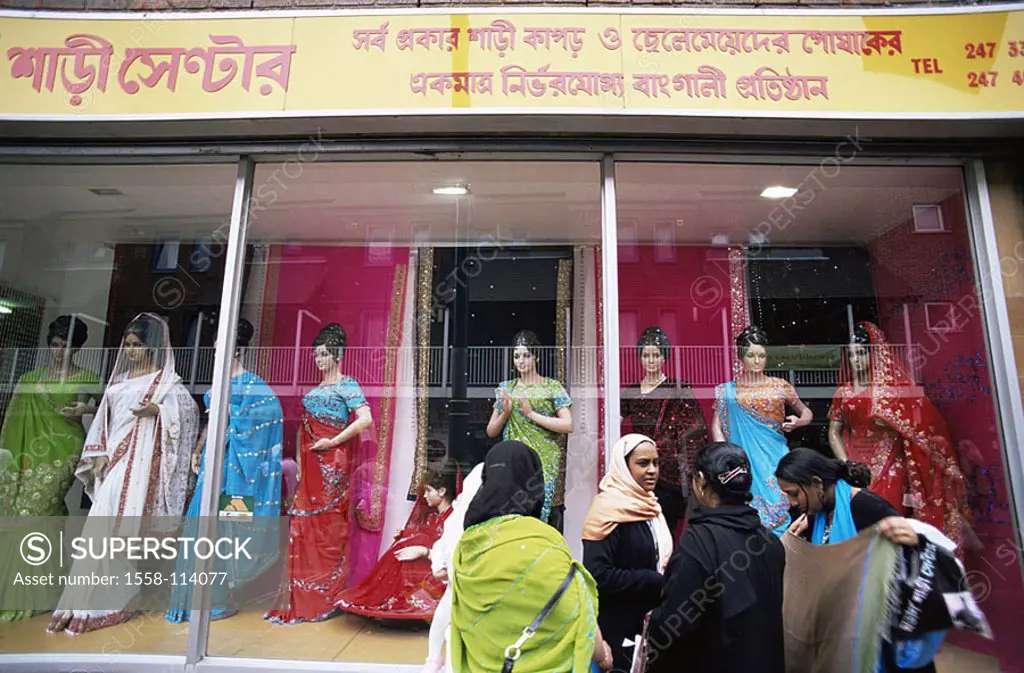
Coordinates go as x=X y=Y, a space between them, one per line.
x=343 y=638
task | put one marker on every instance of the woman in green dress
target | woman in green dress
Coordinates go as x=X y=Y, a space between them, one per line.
x=42 y=434
x=535 y=410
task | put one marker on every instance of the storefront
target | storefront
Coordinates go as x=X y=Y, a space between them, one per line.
x=436 y=183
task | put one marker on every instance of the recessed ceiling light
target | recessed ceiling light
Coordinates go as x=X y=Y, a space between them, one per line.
x=106 y=191
x=4 y=310
x=778 y=192
x=452 y=190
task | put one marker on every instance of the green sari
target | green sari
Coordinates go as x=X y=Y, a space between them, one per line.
x=546 y=398
x=40 y=448
x=505 y=570
x=44 y=445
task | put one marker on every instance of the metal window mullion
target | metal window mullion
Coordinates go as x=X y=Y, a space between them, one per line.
x=610 y=295
x=199 y=622
x=996 y=317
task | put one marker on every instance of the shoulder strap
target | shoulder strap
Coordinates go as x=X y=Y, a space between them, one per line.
x=512 y=652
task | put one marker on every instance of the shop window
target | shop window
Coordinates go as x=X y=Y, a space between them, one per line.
x=412 y=279
x=828 y=263
x=77 y=284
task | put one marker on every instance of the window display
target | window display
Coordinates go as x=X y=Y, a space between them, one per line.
x=136 y=458
x=830 y=319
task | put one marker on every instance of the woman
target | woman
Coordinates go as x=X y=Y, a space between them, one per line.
x=751 y=412
x=333 y=415
x=880 y=417
x=534 y=410
x=42 y=438
x=134 y=465
x=507 y=566
x=721 y=609
x=626 y=544
x=665 y=410
x=401 y=585
x=836 y=505
x=250 y=479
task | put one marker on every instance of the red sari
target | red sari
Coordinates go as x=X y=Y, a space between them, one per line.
x=318 y=529
x=396 y=589
x=891 y=426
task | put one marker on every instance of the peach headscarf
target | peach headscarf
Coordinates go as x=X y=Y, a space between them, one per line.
x=622 y=500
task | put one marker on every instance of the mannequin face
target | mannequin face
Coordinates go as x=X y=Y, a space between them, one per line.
x=323 y=358
x=651 y=359
x=433 y=496
x=135 y=350
x=643 y=465
x=523 y=360
x=755 y=359
x=860 y=359
x=59 y=351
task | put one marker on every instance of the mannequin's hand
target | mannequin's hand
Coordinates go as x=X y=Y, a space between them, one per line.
x=791 y=423
x=76 y=410
x=441 y=575
x=194 y=462
x=147 y=410
x=897 y=529
x=799 y=527
x=411 y=553
x=322 y=444
x=524 y=406
x=506 y=403
x=99 y=467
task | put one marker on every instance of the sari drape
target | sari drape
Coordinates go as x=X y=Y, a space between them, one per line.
x=401 y=590
x=762 y=439
x=39 y=449
x=506 y=569
x=910 y=450
x=320 y=514
x=146 y=475
x=252 y=468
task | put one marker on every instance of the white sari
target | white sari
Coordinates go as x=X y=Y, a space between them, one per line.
x=146 y=476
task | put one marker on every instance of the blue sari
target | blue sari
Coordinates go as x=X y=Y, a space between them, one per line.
x=252 y=468
x=765 y=445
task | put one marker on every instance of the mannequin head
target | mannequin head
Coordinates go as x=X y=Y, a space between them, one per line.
x=721 y=476
x=860 y=353
x=653 y=349
x=752 y=345
x=329 y=346
x=64 y=342
x=525 y=347
x=439 y=487
x=243 y=336
x=142 y=337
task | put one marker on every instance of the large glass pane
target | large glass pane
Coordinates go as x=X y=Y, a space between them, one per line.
x=818 y=256
x=383 y=299
x=86 y=251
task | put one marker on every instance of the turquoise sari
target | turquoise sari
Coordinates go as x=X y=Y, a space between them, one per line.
x=765 y=445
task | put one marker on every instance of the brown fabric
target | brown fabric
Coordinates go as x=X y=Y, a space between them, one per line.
x=821 y=597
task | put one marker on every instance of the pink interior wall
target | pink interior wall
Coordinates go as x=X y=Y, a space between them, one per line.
x=687 y=296
x=351 y=286
x=914 y=268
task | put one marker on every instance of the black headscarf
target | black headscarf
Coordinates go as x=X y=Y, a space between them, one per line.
x=513 y=483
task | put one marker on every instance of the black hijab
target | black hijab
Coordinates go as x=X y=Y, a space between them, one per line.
x=513 y=483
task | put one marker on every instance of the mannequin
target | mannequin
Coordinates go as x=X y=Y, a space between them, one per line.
x=535 y=410
x=251 y=471
x=665 y=410
x=881 y=418
x=333 y=416
x=43 y=434
x=751 y=412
